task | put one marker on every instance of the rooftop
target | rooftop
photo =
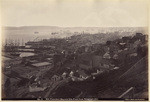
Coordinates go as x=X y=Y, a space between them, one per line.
x=26 y=54
x=41 y=64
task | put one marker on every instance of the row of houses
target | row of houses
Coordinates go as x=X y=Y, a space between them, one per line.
x=104 y=57
x=109 y=55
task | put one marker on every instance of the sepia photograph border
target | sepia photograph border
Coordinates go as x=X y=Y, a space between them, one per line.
x=73 y=100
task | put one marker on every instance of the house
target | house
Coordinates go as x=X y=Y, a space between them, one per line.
x=116 y=68
x=119 y=51
x=138 y=36
x=65 y=52
x=64 y=75
x=71 y=74
x=136 y=43
x=133 y=54
x=129 y=46
x=32 y=79
x=82 y=74
x=122 y=45
x=88 y=49
x=126 y=38
x=85 y=61
x=106 y=48
x=49 y=59
x=95 y=61
x=105 y=63
x=97 y=72
x=115 y=56
x=35 y=88
x=55 y=78
x=106 y=55
x=106 y=66
x=76 y=74
x=88 y=61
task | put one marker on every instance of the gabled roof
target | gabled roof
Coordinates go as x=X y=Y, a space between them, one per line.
x=106 y=55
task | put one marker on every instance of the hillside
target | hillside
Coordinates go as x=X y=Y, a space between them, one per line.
x=136 y=77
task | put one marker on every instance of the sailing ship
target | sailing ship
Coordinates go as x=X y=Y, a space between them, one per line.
x=12 y=47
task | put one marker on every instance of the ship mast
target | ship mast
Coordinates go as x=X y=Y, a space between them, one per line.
x=18 y=42
x=22 y=42
x=6 y=42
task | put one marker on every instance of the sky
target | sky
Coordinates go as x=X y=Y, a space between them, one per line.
x=74 y=13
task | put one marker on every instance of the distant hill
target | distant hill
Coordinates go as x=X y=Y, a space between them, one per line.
x=91 y=30
x=29 y=33
x=29 y=27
